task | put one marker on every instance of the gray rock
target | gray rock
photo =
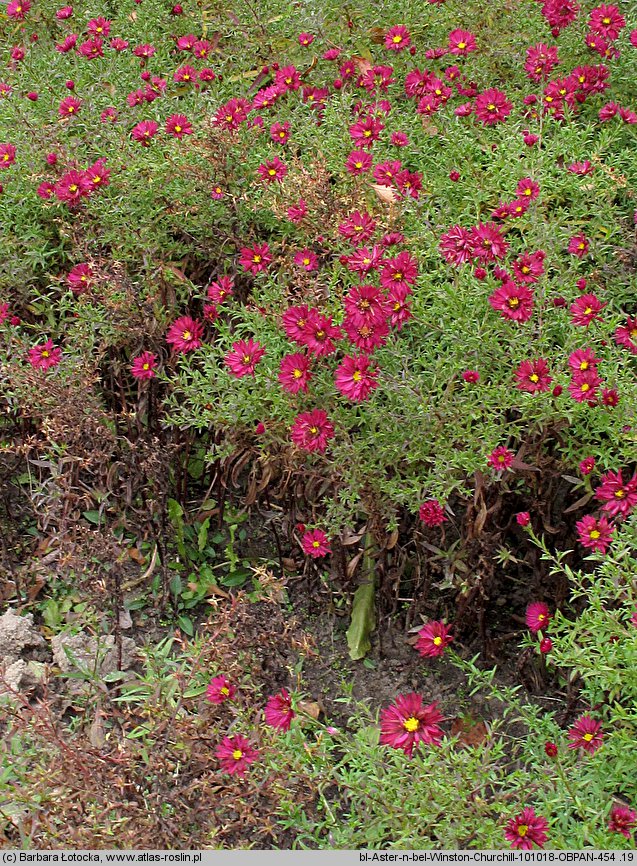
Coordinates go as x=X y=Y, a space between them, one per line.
x=72 y=652
x=17 y=633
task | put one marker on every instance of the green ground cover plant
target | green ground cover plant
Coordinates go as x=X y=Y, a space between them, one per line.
x=362 y=281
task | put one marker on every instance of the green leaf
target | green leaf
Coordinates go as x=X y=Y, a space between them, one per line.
x=202 y=536
x=186 y=625
x=92 y=517
x=363 y=622
x=176 y=585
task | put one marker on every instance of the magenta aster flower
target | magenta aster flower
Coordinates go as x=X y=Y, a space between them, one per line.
x=488 y=242
x=358 y=162
x=587 y=465
x=626 y=335
x=355 y=378
x=619 y=497
x=307 y=260
x=17 y=9
x=144 y=131
x=471 y=376
x=523 y=518
x=433 y=638
x=178 y=125
x=319 y=334
x=220 y=689
x=243 y=358
x=578 y=245
x=311 y=431
x=44 y=356
x=72 y=187
x=585 y=309
x=399 y=272
x=98 y=175
x=583 y=386
x=533 y=376
x=144 y=366
x=513 y=302
x=527 y=829
x=273 y=170
x=294 y=373
x=278 y=711
x=220 y=289
x=537 y=616
x=315 y=543
x=7 y=155
x=365 y=304
x=492 y=106
x=407 y=723
x=79 y=278
x=297 y=212
x=397 y=38
x=586 y=734
x=256 y=258
x=607 y=20
x=595 y=534
x=432 y=513
x=501 y=458
x=235 y=754
x=622 y=820
x=185 y=334
x=461 y=42
x=456 y=245
x=582 y=359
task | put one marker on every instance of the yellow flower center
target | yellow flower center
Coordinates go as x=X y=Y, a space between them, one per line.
x=237 y=754
x=586 y=387
x=513 y=303
x=584 y=365
x=525 y=269
x=256 y=259
x=523 y=829
x=316 y=544
x=224 y=690
x=588 y=311
x=397 y=39
x=411 y=724
x=357 y=375
x=271 y=172
x=606 y=20
x=358 y=165
x=491 y=106
x=246 y=359
x=73 y=187
x=297 y=373
x=534 y=377
x=619 y=494
x=594 y=534
x=178 y=129
x=587 y=737
x=146 y=367
x=45 y=354
x=186 y=335
x=313 y=430
x=398 y=275
x=462 y=44
x=437 y=640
